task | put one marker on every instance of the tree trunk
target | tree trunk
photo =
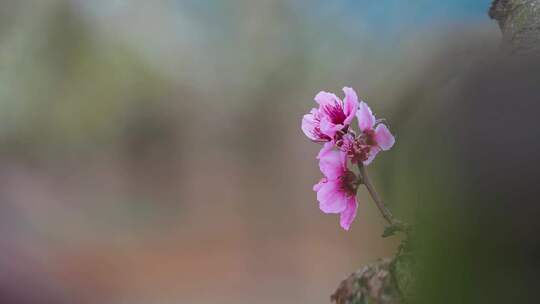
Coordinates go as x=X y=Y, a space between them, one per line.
x=519 y=21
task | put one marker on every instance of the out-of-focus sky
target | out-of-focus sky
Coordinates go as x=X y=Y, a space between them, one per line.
x=386 y=18
x=390 y=19
x=253 y=35
x=386 y=15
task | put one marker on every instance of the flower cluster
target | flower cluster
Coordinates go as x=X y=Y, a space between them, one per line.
x=330 y=124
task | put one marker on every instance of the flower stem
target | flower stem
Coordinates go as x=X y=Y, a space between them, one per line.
x=375 y=196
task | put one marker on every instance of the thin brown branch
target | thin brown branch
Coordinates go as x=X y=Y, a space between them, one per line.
x=375 y=196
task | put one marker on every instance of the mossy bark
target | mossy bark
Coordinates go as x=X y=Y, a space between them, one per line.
x=387 y=281
x=519 y=21
x=370 y=284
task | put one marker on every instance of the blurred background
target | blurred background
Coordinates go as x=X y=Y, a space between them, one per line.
x=151 y=151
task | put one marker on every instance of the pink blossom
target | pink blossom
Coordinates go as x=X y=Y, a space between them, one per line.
x=373 y=138
x=330 y=124
x=333 y=116
x=336 y=191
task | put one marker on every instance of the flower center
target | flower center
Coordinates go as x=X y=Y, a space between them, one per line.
x=369 y=137
x=335 y=113
x=349 y=183
x=359 y=148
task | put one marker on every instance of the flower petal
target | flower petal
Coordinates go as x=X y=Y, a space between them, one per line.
x=328 y=128
x=318 y=185
x=384 y=138
x=325 y=149
x=308 y=126
x=331 y=198
x=372 y=153
x=331 y=164
x=350 y=104
x=348 y=215
x=324 y=98
x=366 y=119
x=343 y=159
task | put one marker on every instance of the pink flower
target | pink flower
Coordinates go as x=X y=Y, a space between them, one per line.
x=373 y=137
x=333 y=116
x=336 y=191
x=330 y=124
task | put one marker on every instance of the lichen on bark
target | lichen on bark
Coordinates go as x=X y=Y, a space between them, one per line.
x=373 y=283
x=387 y=281
x=519 y=21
